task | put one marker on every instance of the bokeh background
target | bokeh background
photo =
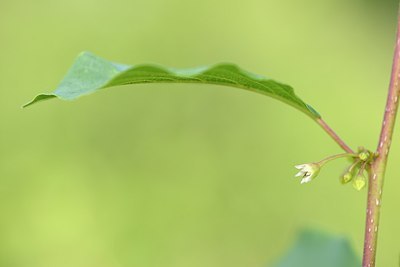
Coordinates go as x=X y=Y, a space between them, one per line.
x=188 y=175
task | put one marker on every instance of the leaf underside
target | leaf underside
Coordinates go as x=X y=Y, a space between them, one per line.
x=318 y=249
x=91 y=73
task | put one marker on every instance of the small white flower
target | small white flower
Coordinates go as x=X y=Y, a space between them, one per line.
x=307 y=171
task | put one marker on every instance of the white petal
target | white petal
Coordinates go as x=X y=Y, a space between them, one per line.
x=308 y=168
x=299 y=167
x=305 y=180
x=300 y=173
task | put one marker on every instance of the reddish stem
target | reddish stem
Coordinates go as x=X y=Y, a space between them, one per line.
x=378 y=166
x=334 y=136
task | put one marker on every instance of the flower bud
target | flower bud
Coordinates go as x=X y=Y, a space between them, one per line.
x=364 y=155
x=346 y=177
x=359 y=182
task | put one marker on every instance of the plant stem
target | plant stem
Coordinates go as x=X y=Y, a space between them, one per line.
x=334 y=136
x=322 y=162
x=378 y=166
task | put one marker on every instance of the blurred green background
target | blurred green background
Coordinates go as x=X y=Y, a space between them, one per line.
x=188 y=175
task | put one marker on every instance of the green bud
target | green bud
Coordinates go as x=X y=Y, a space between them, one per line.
x=364 y=155
x=359 y=182
x=346 y=177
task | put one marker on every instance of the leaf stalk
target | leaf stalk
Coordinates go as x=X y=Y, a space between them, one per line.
x=334 y=136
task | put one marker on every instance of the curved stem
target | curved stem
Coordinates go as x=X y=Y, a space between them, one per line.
x=352 y=166
x=378 y=166
x=334 y=136
x=322 y=162
x=362 y=168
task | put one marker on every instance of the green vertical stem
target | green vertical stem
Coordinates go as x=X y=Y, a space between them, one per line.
x=378 y=166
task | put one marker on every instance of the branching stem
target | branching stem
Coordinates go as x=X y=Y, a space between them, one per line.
x=378 y=166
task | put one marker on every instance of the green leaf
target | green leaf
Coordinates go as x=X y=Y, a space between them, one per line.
x=90 y=73
x=316 y=249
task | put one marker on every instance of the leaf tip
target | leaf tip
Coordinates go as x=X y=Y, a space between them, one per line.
x=85 y=53
x=38 y=98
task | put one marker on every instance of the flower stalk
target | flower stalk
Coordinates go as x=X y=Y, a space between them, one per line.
x=308 y=171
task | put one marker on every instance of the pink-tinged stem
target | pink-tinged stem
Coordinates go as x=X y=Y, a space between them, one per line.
x=334 y=136
x=378 y=166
